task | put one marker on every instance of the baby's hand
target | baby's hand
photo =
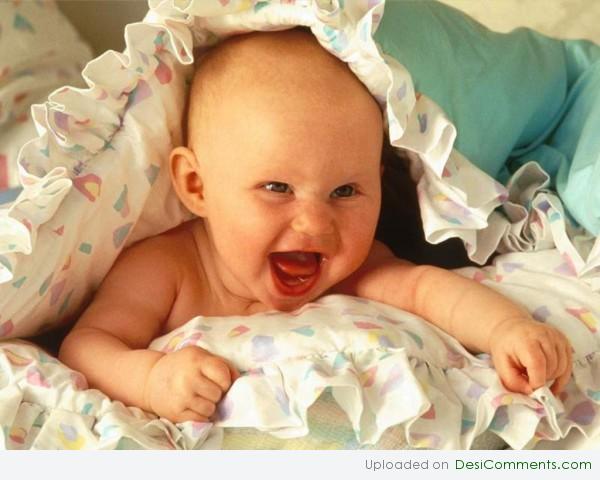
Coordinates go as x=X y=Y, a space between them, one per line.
x=527 y=354
x=187 y=384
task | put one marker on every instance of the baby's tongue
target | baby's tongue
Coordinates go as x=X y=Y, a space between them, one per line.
x=296 y=263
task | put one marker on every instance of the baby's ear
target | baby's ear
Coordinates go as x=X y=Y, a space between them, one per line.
x=186 y=179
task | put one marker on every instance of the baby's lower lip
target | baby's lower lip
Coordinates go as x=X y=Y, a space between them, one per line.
x=293 y=290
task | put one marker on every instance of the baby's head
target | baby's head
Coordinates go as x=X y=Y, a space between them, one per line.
x=283 y=155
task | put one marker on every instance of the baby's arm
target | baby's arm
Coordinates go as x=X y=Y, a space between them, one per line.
x=525 y=353
x=109 y=342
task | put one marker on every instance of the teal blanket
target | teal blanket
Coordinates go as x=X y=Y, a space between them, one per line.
x=514 y=98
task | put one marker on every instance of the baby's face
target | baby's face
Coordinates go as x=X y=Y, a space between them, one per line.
x=292 y=176
x=291 y=184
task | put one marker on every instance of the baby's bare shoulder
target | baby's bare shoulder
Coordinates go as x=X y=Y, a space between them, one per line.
x=173 y=246
x=380 y=269
x=158 y=260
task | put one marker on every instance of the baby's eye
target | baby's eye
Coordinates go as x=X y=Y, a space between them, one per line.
x=344 y=191
x=277 y=187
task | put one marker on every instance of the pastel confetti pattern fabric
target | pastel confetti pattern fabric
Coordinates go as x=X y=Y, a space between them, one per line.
x=330 y=429
x=387 y=368
x=39 y=52
x=45 y=405
x=372 y=375
x=88 y=174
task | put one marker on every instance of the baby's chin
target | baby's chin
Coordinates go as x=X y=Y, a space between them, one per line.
x=291 y=304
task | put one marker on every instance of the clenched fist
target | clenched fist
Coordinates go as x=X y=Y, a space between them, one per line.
x=527 y=354
x=187 y=384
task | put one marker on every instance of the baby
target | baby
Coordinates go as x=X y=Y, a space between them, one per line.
x=285 y=179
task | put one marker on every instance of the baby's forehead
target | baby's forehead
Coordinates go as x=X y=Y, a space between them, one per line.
x=273 y=88
x=281 y=65
x=270 y=57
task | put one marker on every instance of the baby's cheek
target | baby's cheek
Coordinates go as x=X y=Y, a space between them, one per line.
x=356 y=239
x=358 y=227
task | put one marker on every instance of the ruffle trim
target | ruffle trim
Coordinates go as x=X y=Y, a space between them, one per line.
x=76 y=124
x=45 y=405
x=534 y=219
x=399 y=390
x=416 y=377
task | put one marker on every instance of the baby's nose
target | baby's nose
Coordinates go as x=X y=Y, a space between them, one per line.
x=314 y=220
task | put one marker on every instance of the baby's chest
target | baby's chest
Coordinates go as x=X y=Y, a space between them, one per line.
x=191 y=301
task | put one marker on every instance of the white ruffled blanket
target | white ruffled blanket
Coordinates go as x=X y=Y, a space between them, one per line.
x=386 y=369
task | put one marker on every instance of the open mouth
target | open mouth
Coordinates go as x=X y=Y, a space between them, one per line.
x=295 y=273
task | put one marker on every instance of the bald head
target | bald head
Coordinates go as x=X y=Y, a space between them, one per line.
x=280 y=129
x=271 y=69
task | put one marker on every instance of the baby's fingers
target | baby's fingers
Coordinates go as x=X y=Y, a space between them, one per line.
x=201 y=406
x=549 y=349
x=219 y=371
x=534 y=361
x=190 y=416
x=208 y=389
x=560 y=382
x=511 y=376
x=566 y=366
x=233 y=372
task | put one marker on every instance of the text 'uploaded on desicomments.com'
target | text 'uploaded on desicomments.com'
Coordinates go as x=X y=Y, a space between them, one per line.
x=486 y=464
